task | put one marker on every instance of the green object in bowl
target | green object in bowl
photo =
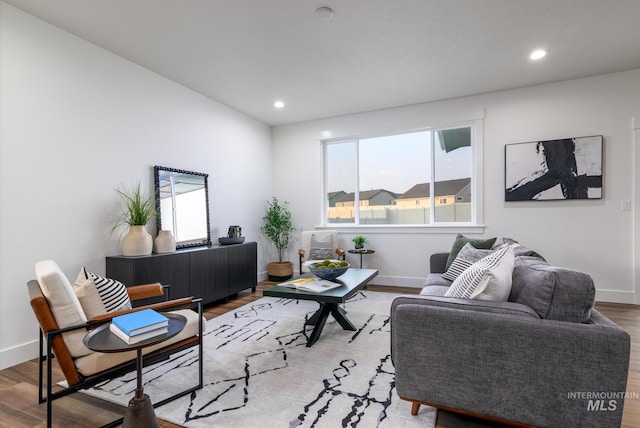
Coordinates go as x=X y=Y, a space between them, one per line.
x=321 y=270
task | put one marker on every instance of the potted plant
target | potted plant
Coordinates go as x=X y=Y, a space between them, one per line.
x=359 y=241
x=278 y=227
x=137 y=210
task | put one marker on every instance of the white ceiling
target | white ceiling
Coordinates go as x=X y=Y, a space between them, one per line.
x=373 y=54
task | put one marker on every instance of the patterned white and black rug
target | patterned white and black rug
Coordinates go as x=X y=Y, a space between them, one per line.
x=259 y=373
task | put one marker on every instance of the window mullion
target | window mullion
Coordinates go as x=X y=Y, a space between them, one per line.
x=356 y=195
x=432 y=179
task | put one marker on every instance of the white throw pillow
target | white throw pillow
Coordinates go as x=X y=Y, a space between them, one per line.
x=321 y=249
x=487 y=279
x=113 y=293
x=87 y=293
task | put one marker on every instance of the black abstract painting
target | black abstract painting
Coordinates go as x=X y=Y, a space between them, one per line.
x=570 y=168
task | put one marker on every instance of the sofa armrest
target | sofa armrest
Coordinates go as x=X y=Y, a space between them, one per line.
x=508 y=366
x=437 y=262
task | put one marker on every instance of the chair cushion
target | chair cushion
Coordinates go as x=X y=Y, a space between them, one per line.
x=113 y=293
x=88 y=295
x=64 y=304
x=321 y=249
x=99 y=361
x=487 y=279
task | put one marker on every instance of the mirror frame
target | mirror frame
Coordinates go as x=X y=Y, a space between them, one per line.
x=191 y=243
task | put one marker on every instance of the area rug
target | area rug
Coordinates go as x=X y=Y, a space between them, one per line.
x=259 y=373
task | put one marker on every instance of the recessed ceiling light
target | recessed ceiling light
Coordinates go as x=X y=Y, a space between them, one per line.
x=324 y=12
x=538 y=54
x=278 y=104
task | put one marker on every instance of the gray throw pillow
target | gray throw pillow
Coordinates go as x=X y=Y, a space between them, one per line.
x=484 y=244
x=321 y=250
x=467 y=256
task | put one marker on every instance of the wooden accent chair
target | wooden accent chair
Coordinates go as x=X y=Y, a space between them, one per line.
x=317 y=245
x=63 y=324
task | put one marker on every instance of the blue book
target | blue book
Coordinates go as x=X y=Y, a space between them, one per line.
x=140 y=322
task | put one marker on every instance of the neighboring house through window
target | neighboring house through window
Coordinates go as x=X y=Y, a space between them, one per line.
x=414 y=178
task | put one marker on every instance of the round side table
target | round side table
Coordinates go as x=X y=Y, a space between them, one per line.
x=361 y=252
x=140 y=412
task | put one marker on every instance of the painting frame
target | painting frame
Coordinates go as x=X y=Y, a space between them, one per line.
x=562 y=169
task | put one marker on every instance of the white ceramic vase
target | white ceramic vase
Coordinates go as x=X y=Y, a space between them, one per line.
x=165 y=242
x=138 y=242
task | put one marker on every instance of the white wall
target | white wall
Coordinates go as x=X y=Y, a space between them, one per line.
x=593 y=236
x=75 y=122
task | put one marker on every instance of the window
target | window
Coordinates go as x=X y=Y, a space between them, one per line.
x=397 y=175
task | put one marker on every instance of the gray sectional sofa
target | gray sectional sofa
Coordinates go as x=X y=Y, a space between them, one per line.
x=545 y=357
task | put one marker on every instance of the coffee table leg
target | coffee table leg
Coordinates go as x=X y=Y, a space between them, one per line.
x=319 y=318
x=140 y=412
x=339 y=315
x=313 y=320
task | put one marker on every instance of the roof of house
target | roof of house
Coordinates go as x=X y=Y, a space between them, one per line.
x=332 y=195
x=442 y=188
x=365 y=195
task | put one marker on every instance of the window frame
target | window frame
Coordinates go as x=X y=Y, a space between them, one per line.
x=477 y=183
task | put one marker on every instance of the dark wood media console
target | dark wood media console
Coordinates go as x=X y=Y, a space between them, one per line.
x=212 y=273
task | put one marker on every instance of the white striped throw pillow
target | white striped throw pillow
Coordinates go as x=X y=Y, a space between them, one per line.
x=112 y=292
x=487 y=279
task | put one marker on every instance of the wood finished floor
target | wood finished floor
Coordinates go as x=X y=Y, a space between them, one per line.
x=19 y=384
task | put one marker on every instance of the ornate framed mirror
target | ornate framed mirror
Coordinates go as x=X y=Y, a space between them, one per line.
x=182 y=202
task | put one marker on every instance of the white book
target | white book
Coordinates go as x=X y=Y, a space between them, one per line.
x=138 y=337
x=315 y=285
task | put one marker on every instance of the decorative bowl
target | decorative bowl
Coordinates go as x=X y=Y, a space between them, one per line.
x=223 y=240
x=327 y=273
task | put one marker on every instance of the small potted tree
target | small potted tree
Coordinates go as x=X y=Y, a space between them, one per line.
x=278 y=227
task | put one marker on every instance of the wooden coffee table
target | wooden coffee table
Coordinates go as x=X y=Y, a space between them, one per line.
x=329 y=301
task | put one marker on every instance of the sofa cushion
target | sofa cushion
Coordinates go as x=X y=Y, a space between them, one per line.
x=467 y=256
x=437 y=279
x=555 y=293
x=487 y=279
x=461 y=240
x=518 y=249
x=434 y=290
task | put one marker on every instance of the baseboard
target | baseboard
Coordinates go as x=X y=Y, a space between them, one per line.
x=615 y=296
x=18 y=354
x=398 y=281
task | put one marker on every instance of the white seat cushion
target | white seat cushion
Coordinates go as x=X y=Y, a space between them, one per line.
x=98 y=361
